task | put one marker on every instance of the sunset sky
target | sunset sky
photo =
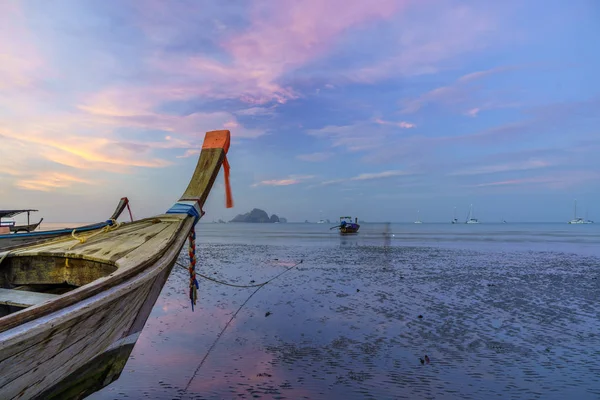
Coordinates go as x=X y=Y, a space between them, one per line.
x=369 y=108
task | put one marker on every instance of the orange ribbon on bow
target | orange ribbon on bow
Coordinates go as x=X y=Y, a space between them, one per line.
x=221 y=140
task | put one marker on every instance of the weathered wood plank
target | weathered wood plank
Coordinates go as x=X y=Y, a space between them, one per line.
x=142 y=253
x=85 y=327
x=16 y=319
x=38 y=368
x=21 y=298
x=116 y=244
x=26 y=335
x=43 y=270
x=216 y=144
x=143 y=280
x=62 y=245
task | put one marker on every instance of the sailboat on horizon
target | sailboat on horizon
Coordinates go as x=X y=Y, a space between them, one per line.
x=418 y=221
x=470 y=219
x=454 y=219
x=321 y=221
x=576 y=219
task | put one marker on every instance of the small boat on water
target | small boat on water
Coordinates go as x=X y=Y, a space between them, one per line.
x=470 y=218
x=418 y=220
x=454 y=219
x=579 y=220
x=7 y=220
x=346 y=225
x=72 y=308
x=11 y=240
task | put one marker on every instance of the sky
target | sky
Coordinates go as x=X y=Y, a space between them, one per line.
x=376 y=109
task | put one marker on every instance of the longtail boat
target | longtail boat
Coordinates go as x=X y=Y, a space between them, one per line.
x=8 y=222
x=10 y=241
x=75 y=306
x=346 y=225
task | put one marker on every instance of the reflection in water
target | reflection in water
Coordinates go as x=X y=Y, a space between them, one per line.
x=345 y=324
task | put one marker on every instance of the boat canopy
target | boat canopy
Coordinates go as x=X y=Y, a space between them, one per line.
x=345 y=217
x=12 y=213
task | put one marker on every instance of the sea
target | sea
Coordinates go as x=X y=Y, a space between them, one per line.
x=397 y=311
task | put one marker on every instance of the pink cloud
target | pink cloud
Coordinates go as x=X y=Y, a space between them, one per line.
x=418 y=49
x=473 y=76
x=473 y=112
x=516 y=166
x=256 y=111
x=559 y=180
x=401 y=124
x=459 y=92
x=291 y=180
x=278 y=182
x=135 y=107
x=379 y=175
x=21 y=65
x=282 y=37
x=513 y=182
x=368 y=177
x=189 y=153
x=358 y=137
x=47 y=181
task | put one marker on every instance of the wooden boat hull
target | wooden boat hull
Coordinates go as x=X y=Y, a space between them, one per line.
x=35 y=363
x=25 y=228
x=108 y=351
x=68 y=344
x=14 y=240
x=349 y=229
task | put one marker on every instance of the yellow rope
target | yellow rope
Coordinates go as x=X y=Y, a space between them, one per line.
x=82 y=239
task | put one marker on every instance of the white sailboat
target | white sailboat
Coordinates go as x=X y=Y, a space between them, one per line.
x=576 y=219
x=587 y=219
x=470 y=219
x=454 y=219
x=321 y=221
x=418 y=221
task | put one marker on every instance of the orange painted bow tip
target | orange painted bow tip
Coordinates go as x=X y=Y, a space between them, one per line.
x=221 y=140
x=217 y=140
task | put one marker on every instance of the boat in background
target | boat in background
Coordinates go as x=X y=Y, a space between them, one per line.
x=576 y=219
x=72 y=308
x=7 y=220
x=321 y=220
x=418 y=221
x=470 y=218
x=12 y=240
x=454 y=219
x=346 y=225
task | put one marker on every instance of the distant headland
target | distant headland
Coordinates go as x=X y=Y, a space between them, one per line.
x=258 y=216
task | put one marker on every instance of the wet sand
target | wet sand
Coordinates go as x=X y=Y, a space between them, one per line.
x=345 y=324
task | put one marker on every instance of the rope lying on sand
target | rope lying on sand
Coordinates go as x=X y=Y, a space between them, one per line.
x=208 y=278
x=258 y=287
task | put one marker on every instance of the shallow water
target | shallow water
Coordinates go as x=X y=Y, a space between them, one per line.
x=508 y=311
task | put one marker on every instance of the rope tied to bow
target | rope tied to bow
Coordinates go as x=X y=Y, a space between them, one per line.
x=111 y=225
x=192 y=268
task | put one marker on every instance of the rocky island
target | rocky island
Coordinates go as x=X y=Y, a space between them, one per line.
x=257 y=216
